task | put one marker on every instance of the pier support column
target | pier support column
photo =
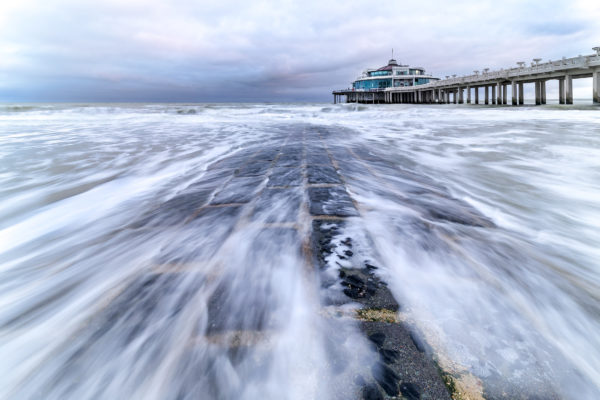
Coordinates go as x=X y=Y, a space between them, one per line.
x=460 y=96
x=561 y=91
x=513 y=90
x=493 y=94
x=596 y=86
x=538 y=93
x=543 y=91
x=569 y=89
x=468 y=94
x=521 y=94
x=504 y=94
x=487 y=95
x=499 y=88
x=476 y=89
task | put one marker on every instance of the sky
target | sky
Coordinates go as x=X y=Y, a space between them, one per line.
x=224 y=50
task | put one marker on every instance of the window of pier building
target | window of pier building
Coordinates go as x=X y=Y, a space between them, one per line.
x=402 y=82
x=416 y=72
x=421 y=81
x=404 y=72
x=380 y=73
x=372 y=84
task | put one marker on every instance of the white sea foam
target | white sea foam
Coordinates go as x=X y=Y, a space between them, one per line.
x=510 y=303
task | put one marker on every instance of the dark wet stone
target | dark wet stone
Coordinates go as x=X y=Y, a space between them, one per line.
x=357 y=288
x=371 y=392
x=419 y=344
x=360 y=381
x=210 y=180
x=333 y=201
x=176 y=210
x=349 y=253
x=389 y=356
x=382 y=298
x=289 y=160
x=378 y=338
x=322 y=233
x=362 y=286
x=135 y=309
x=387 y=379
x=234 y=161
x=284 y=176
x=410 y=391
x=278 y=205
x=189 y=247
x=340 y=153
x=243 y=302
x=322 y=174
x=450 y=210
x=318 y=159
x=253 y=169
x=352 y=168
x=238 y=190
x=292 y=150
x=409 y=364
x=267 y=155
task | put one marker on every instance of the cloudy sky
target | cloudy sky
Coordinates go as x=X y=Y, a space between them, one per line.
x=224 y=50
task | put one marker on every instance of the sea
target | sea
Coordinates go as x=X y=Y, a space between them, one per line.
x=484 y=221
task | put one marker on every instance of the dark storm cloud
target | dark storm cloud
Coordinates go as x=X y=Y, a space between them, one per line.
x=154 y=50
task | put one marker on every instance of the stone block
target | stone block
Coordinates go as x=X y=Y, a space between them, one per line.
x=332 y=201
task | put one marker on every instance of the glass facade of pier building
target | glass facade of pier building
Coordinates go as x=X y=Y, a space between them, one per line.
x=391 y=75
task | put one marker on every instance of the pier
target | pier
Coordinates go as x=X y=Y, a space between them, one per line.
x=490 y=87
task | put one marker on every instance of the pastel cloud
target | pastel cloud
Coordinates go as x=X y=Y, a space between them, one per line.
x=154 y=50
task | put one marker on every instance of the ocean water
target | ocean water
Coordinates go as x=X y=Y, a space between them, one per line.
x=118 y=281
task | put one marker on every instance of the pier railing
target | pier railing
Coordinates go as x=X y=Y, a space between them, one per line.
x=445 y=90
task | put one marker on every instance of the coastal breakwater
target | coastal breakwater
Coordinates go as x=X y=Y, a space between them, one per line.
x=245 y=253
x=493 y=84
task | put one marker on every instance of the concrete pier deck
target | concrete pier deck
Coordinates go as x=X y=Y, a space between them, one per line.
x=458 y=90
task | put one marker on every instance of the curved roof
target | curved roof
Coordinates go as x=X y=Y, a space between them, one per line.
x=391 y=63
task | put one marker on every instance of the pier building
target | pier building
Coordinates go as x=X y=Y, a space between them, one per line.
x=396 y=83
x=393 y=75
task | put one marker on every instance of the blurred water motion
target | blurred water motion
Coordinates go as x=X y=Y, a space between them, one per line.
x=164 y=251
